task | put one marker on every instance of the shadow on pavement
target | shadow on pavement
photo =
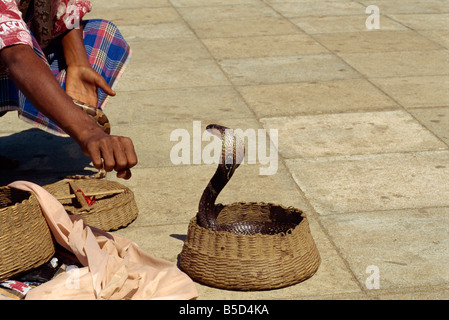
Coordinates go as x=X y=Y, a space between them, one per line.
x=41 y=157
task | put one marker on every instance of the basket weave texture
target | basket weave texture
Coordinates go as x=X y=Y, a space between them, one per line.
x=25 y=238
x=109 y=212
x=250 y=262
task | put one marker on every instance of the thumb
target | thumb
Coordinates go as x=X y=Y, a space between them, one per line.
x=101 y=83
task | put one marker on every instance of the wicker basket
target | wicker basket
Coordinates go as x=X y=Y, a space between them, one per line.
x=114 y=205
x=257 y=262
x=25 y=238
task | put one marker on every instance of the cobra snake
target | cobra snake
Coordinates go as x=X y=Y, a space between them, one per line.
x=103 y=122
x=233 y=151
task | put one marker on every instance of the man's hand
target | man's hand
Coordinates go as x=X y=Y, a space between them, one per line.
x=83 y=82
x=111 y=152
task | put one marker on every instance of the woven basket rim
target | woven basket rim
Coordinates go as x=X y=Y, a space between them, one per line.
x=290 y=210
x=25 y=201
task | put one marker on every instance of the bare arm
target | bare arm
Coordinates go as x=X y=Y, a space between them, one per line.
x=39 y=85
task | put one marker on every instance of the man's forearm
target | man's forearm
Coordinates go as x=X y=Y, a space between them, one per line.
x=33 y=77
x=73 y=47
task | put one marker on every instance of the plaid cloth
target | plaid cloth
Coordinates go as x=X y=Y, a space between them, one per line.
x=108 y=54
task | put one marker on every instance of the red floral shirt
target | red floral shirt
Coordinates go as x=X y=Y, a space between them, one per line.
x=13 y=29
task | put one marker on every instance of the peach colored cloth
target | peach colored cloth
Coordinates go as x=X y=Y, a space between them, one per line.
x=114 y=267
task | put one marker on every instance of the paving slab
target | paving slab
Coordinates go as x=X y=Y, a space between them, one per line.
x=410 y=6
x=199 y=3
x=169 y=30
x=131 y=16
x=263 y=46
x=100 y=5
x=423 y=21
x=380 y=41
x=10 y=123
x=439 y=36
x=233 y=12
x=427 y=293
x=408 y=248
x=347 y=23
x=287 y=69
x=351 y=133
x=217 y=103
x=285 y=99
x=242 y=28
x=173 y=74
x=413 y=92
x=435 y=119
x=319 y=8
x=373 y=182
x=169 y=49
x=403 y=63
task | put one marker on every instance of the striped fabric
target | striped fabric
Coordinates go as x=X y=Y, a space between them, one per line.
x=108 y=55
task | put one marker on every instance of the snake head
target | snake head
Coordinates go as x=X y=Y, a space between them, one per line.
x=233 y=150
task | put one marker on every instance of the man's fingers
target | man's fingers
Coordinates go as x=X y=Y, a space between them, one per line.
x=128 y=148
x=107 y=154
x=121 y=161
x=103 y=85
x=96 y=156
x=113 y=153
x=124 y=174
x=124 y=154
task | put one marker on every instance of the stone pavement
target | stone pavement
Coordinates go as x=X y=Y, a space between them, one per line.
x=362 y=120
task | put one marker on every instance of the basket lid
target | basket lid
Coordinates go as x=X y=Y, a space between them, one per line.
x=101 y=203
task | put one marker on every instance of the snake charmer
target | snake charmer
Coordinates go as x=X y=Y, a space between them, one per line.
x=57 y=71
